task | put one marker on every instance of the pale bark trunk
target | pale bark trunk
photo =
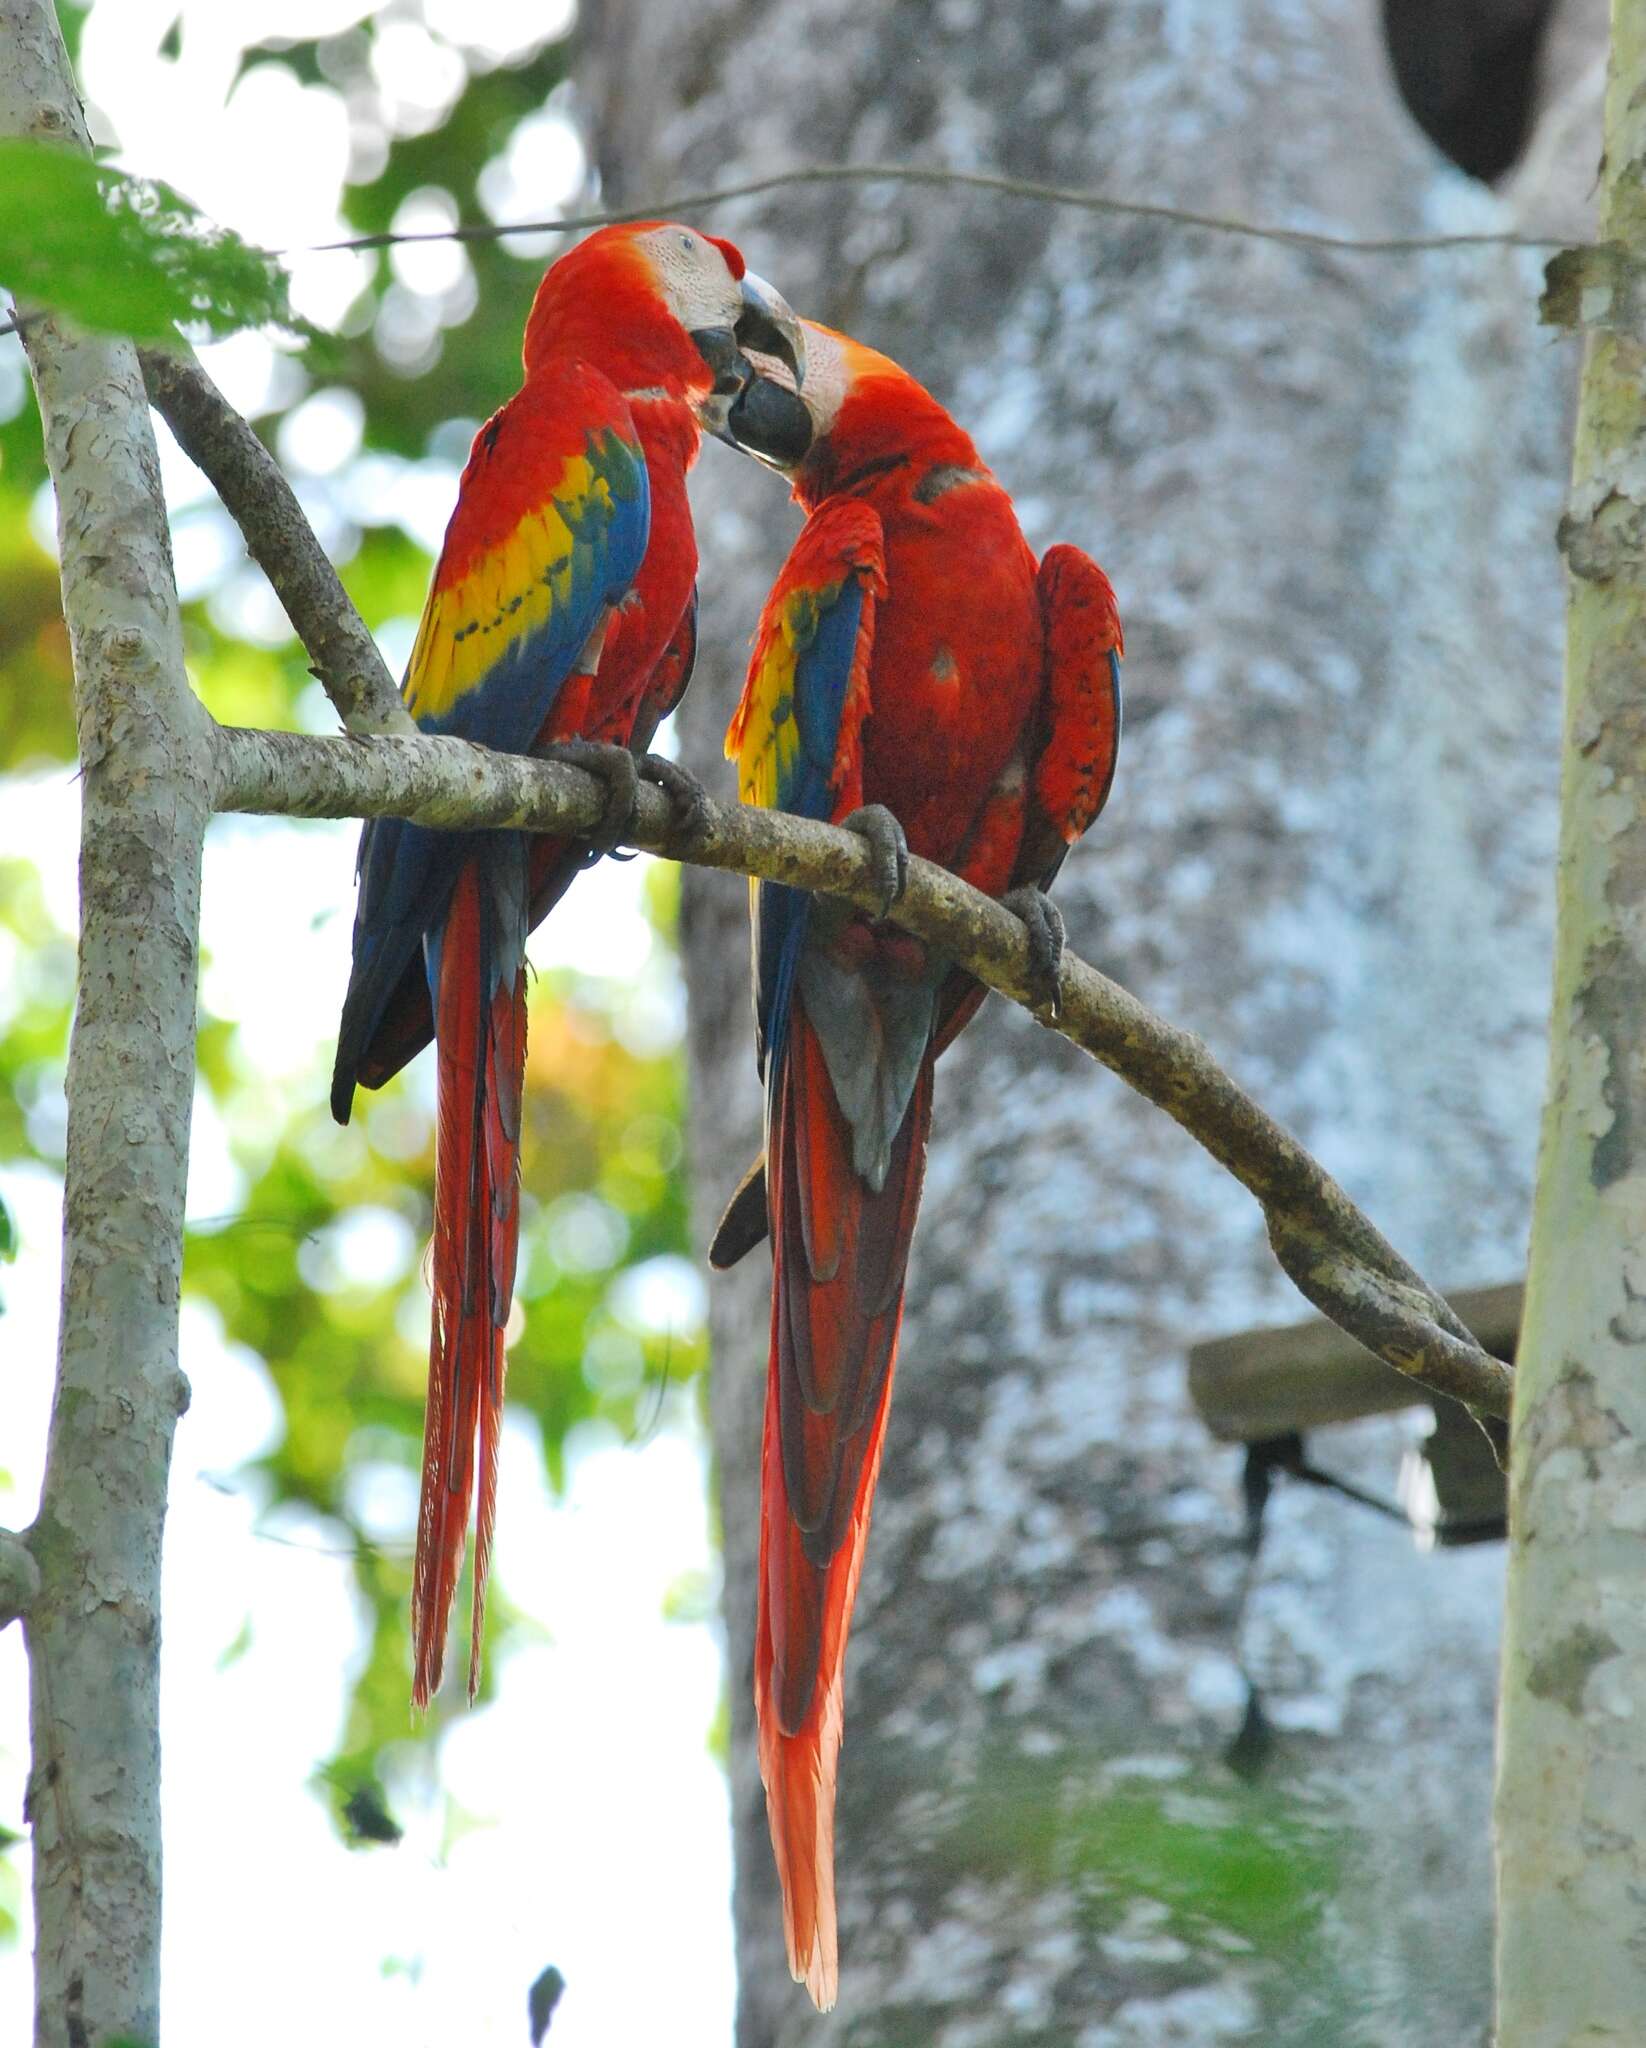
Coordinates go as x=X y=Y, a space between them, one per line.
x=93 y=1626
x=1325 y=488
x=1571 y=1802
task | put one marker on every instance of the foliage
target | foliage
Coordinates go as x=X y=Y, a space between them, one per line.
x=601 y=1196
x=11 y=1888
x=468 y=369
x=126 y=255
x=1213 y=1856
x=35 y=676
x=1175 y=1865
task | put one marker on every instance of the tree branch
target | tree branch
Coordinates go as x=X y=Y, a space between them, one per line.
x=1333 y=1254
x=1075 y=197
x=251 y=484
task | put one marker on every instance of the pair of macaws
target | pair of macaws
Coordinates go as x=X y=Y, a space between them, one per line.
x=915 y=674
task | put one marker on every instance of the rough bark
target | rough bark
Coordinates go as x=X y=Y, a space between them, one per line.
x=93 y=1626
x=1324 y=486
x=1571 y=1802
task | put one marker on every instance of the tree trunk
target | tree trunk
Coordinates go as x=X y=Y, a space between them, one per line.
x=1572 y=1775
x=94 y=1625
x=1325 y=487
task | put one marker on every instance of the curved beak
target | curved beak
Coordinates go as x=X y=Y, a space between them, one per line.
x=765 y=325
x=747 y=409
x=768 y=326
x=770 y=421
x=720 y=349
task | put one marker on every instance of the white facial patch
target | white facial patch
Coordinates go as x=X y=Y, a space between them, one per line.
x=699 y=286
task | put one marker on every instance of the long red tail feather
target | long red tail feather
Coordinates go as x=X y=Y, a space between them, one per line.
x=840 y=1250
x=481 y=1066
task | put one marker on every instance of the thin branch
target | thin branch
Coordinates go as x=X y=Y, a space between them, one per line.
x=19 y=1577
x=1073 y=196
x=1334 y=1255
x=250 y=483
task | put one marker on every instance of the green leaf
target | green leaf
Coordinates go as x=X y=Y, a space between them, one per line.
x=359 y=1802
x=127 y=255
x=8 y=1232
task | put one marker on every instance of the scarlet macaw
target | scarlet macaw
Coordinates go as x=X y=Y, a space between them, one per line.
x=911 y=656
x=562 y=610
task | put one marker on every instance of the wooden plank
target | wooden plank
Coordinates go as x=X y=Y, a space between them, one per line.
x=1298 y=1376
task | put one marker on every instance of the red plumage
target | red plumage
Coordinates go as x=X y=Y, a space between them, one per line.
x=911 y=641
x=561 y=607
x=482 y=1056
x=839 y=1256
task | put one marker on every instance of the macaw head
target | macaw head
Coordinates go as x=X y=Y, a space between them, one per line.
x=663 y=309
x=858 y=412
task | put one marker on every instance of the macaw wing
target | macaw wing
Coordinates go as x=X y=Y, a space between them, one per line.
x=557 y=863
x=551 y=525
x=1079 y=727
x=1077 y=741
x=1073 y=773
x=552 y=518
x=796 y=733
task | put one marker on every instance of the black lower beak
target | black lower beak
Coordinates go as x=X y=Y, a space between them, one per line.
x=720 y=349
x=768 y=420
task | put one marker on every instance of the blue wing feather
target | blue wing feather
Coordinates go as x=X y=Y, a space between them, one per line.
x=407 y=872
x=822 y=677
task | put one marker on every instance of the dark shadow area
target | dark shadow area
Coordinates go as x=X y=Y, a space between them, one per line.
x=1467 y=69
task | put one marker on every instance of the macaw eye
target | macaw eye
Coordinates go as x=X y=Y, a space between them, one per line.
x=687 y=242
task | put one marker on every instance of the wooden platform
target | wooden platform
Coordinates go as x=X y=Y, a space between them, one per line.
x=1260 y=1386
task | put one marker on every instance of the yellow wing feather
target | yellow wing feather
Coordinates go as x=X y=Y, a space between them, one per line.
x=510 y=592
x=763 y=737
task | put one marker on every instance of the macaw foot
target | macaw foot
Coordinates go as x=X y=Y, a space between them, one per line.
x=687 y=797
x=889 y=847
x=617 y=768
x=1044 y=922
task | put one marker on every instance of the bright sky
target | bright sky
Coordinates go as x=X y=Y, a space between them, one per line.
x=599 y=1837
